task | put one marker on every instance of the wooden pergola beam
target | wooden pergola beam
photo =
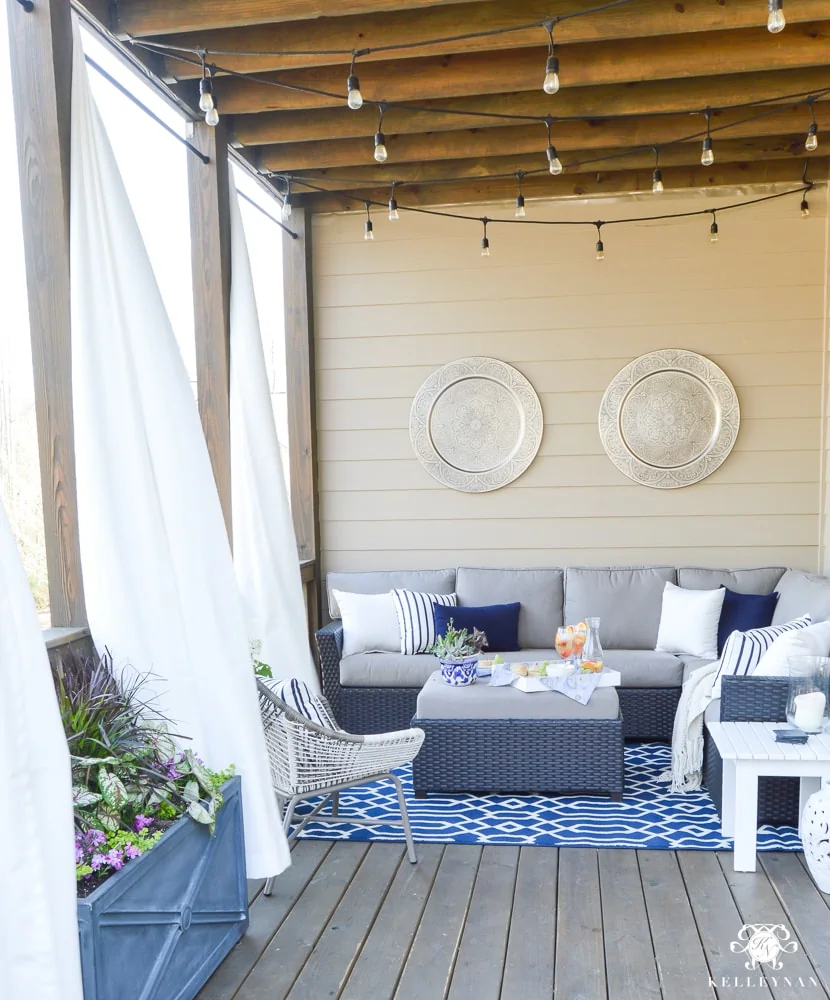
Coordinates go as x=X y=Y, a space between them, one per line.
x=674 y=57
x=644 y=19
x=612 y=182
x=149 y=17
x=210 y=249
x=40 y=43
x=520 y=139
x=356 y=179
x=648 y=97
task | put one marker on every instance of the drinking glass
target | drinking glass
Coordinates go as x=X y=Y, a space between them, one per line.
x=564 y=642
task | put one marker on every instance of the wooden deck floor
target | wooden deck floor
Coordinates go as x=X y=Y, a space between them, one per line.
x=357 y=922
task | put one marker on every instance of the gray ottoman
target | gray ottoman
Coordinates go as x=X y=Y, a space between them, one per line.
x=497 y=739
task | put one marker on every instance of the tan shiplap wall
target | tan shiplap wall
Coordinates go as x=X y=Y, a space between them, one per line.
x=420 y=295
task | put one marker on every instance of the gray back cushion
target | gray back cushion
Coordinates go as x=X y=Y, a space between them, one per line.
x=742 y=581
x=424 y=581
x=539 y=591
x=802 y=593
x=627 y=599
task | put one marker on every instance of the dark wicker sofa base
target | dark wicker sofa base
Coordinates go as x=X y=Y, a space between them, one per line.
x=648 y=713
x=520 y=756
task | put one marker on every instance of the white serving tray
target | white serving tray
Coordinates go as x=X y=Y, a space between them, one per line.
x=530 y=685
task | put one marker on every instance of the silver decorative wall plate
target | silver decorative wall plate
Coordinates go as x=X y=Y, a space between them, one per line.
x=669 y=419
x=476 y=424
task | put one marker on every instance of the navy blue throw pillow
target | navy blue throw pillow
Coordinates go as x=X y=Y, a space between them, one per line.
x=741 y=612
x=500 y=622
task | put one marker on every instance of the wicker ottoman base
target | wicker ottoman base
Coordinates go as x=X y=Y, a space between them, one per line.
x=520 y=756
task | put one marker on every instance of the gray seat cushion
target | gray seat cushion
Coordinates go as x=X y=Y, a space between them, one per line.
x=539 y=591
x=438 y=700
x=386 y=670
x=691 y=663
x=425 y=581
x=645 y=668
x=802 y=593
x=627 y=600
x=743 y=581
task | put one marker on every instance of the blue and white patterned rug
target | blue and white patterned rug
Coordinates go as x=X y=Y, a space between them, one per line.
x=649 y=816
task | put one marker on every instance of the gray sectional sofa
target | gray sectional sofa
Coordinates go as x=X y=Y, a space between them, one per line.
x=377 y=691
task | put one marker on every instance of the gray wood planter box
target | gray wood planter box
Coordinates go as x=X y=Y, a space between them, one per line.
x=157 y=929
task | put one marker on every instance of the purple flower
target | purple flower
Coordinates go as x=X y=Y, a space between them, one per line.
x=98 y=861
x=115 y=858
x=132 y=851
x=79 y=854
x=142 y=822
x=95 y=838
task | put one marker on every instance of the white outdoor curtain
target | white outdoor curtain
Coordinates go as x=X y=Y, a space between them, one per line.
x=264 y=544
x=39 y=957
x=160 y=586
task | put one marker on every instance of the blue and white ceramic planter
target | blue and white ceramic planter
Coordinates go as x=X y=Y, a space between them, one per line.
x=458 y=673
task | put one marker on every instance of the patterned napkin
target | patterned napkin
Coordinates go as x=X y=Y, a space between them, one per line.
x=580 y=687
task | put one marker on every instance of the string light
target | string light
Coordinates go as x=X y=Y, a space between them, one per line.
x=394 y=215
x=551 y=84
x=381 y=153
x=707 y=156
x=554 y=163
x=775 y=20
x=207 y=99
x=811 y=142
x=286 y=201
x=485 y=243
x=600 y=248
x=805 y=208
x=520 y=212
x=354 y=98
x=657 y=175
x=368 y=228
x=713 y=229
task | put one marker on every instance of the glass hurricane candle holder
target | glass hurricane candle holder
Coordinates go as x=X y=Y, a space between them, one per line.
x=807 y=701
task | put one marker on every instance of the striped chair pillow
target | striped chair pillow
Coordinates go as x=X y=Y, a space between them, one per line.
x=742 y=651
x=297 y=695
x=416 y=620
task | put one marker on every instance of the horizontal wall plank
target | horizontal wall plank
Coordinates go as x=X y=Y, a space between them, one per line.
x=618 y=339
x=572 y=502
x=728 y=557
x=751 y=469
x=775 y=434
x=773 y=401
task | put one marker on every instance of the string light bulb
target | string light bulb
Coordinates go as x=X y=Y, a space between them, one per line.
x=354 y=98
x=805 y=208
x=707 y=155
x=775 y=19
x=485 y=243
x=368 y=228
x=205 y=94
x=657 y=174
x=381 y=152
x=286 y=201
x=520 y=212
x=600 y=247
x=713 y=229
x=554 y=163
x=551 y=83
x=394 y=215
x=207 y=99
x=811 y=142
x=212 y=117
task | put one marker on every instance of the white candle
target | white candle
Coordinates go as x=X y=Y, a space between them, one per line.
x=809 y=711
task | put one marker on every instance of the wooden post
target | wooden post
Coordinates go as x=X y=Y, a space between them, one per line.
x=40 y=43
x=301 y=397
x=211 y=250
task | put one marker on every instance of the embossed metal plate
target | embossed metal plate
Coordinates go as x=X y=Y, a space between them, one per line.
x=476 y=424
x=669 y=419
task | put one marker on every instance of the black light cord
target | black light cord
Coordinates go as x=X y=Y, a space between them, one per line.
x=27 y=5
x=259 y=208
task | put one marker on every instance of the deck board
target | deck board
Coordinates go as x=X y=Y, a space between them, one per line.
x=355 y=921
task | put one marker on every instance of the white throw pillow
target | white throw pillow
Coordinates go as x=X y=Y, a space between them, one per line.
x=742 y=651
x=811 y=641
x=689 y=621
x=370 y=623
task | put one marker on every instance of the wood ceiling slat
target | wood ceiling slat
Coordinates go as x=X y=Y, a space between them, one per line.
x=643 y=19
x=582 y=185
x=588 y=64
x=634 y=98
x=522 y=139
x=684 y=154
x=151 y=17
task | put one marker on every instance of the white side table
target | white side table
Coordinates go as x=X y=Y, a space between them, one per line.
x=749 y=751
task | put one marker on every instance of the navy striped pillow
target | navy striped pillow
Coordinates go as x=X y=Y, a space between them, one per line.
x=743 y=650
x=416 y=618
x=297 y=695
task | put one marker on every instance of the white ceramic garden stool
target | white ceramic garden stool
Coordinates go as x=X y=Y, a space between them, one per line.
x=749 y=751
x=815 y=835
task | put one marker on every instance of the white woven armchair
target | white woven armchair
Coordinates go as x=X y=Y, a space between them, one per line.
x=308 y=760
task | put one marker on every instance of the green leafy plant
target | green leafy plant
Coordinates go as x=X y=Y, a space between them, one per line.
x=260 y=669
x=458 y=644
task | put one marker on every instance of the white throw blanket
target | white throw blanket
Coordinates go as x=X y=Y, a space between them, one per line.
x=687 y=738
